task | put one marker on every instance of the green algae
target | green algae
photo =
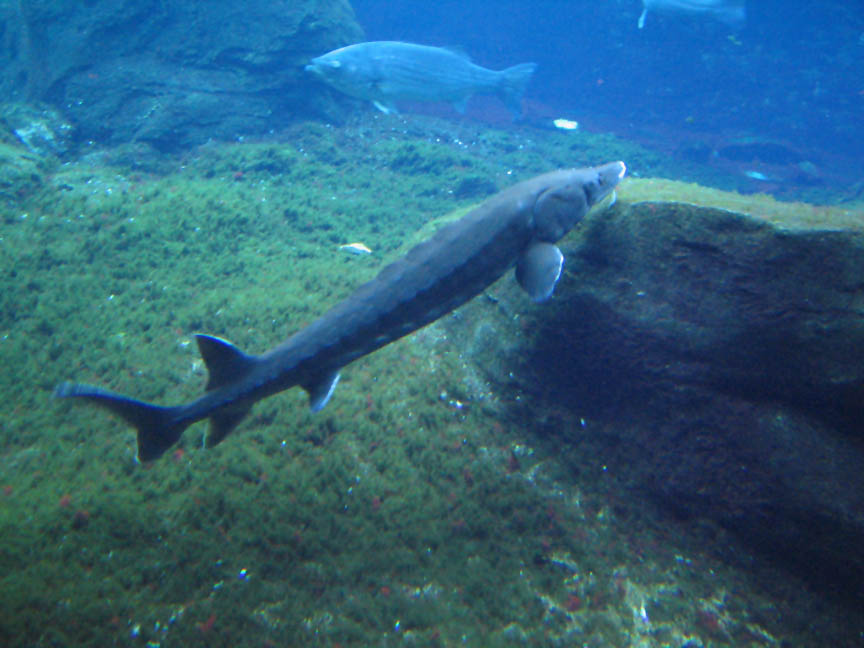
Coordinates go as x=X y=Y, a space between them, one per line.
x=794 y=215
x=20 y=172
x=408 y=510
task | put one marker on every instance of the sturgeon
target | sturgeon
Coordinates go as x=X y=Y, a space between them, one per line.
x=518 y=226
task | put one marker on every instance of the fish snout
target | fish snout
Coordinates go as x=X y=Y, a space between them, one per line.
x=608 y=177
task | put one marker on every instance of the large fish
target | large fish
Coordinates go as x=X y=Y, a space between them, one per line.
x=386 y=71
x=518 y=226
x=731 y=12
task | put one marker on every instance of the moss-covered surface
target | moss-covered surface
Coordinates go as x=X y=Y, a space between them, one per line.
x=792 y=215
x=409 y=509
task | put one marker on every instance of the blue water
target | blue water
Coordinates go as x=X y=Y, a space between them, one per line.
x=794 y=73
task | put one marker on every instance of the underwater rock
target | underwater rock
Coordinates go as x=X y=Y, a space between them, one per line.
x=171 y=74
x=21 y=171
x=764 y=150
x=20 y=175
x=40 y=128
x=711 y=359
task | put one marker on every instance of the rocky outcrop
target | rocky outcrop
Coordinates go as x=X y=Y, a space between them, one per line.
x=168 y=72
x=711 y=358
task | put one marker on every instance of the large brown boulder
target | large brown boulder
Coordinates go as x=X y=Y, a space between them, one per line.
x=712 y=358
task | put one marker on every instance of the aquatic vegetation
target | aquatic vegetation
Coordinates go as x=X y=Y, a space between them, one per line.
x=794 y=215
x=20 y=172
x=416 y=508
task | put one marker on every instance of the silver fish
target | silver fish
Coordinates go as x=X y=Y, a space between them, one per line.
x=386 y=71
x=731 y=12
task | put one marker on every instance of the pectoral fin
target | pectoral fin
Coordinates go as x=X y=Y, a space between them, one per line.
x=538 y=270
x=386 y=108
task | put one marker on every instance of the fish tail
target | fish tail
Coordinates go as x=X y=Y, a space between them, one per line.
x=512 y=84
x=158 y=427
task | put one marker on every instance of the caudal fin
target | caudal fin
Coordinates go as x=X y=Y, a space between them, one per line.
x=158 y=427
x=513 y=82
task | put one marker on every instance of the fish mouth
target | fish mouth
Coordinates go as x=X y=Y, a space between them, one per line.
x=316 y=66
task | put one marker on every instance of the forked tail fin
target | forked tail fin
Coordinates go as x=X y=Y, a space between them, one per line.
x=514 y=80
x=158 y=427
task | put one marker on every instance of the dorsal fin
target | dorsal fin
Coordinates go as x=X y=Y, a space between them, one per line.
x=225 y=362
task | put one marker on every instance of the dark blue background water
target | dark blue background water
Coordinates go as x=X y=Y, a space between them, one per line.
x=794 y=73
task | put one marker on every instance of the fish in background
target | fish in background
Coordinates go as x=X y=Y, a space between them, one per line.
x=730 y=12
x=386 y=71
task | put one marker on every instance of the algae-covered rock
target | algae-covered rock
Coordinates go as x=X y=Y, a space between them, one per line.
x=171 y=73
x=39 y=128
x=20 y=172
x=711 y=357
